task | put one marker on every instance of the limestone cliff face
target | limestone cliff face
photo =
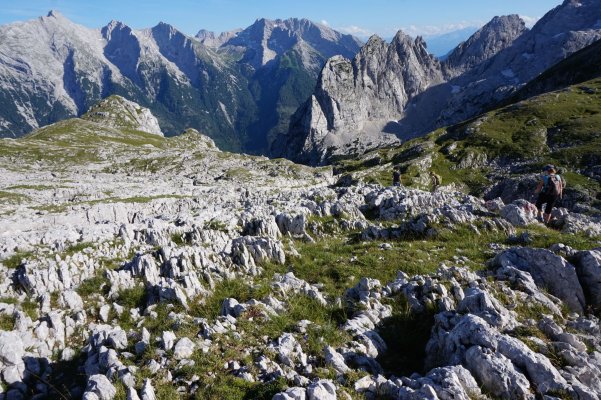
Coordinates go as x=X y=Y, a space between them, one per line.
x=399 y=91
x=497 y=35
x=372 y=89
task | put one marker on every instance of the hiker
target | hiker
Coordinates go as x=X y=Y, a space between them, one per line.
x=396 y=176
x=435 y=179
x=549 y=189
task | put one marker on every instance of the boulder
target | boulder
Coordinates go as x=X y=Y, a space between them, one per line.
x=168 y=340
x=324 y=389
x=266 y=227
x=100 y=386
x=548 y=271
x=520 y=213
x=295 y=393
x=289 y=351
x=71 y=300
x=293 y=225
x=497 y=374
x=148 y=391
x=481 y=303
x=588 y=269
x=335 y=360
x=183 y=349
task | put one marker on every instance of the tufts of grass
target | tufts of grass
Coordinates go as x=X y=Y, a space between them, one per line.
x=215 y=225
x=76 y=248
x=227 y=387
x=179 y=239
x=133 y=298
x=12 y=198
x=30 y=307
x=7 y=322
x=16 y=260
x=543 y=237
x=339 y=263
x=235 y=288
x=97 y=284
x=30 y=187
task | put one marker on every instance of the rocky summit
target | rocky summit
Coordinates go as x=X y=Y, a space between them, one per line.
x=138 y=266
x=398 y=91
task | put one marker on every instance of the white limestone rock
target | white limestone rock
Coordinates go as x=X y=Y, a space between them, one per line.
x=184 y=348
x=547 y=270
x=101 y=387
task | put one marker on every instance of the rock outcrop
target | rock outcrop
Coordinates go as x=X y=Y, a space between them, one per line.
x=119 y=113
x=363 y=95
x=377 y=98
x=499 y=34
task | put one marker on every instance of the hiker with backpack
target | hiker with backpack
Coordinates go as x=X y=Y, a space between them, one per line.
x=436 y=180
x=549 y=189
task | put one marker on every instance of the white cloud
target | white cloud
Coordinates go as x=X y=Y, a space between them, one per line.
x=324 y=22
x=530 y=21
x=356 y=31
x=426 y=31
x=436 y=30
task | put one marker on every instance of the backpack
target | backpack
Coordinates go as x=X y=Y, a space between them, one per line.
x=553 y=185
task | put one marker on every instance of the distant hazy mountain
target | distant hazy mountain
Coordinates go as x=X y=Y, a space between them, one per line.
x=400 y=90
x=236 y=87
x=281 y=60
x=441 y=45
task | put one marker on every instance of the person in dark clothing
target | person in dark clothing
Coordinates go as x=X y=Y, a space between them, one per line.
x=396 y=176
x=549 y=189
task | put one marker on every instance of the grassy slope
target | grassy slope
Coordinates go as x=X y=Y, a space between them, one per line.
x=562 y=127
x=584 y=65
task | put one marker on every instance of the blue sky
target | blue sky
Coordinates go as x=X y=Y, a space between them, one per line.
x=360 y=17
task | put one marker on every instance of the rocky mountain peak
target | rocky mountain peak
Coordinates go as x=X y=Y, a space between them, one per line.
x=373 y=41
x=211 y=39
x=498 y=34
x=266 y=39
x=165 y=30
x=114 y=26
x=571 y=15
x=363 y=95
x=120 y=113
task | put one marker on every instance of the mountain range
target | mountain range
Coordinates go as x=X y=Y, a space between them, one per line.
x=399 y=91
x=236 y=87
x=285 y=88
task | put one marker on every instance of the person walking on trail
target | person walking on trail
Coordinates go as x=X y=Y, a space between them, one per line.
x=435 y=179
x=396 y=176
x=549 y=189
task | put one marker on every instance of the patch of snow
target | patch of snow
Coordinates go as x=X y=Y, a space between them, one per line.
x=227 y=116
x=598 y=25
x=558 y=35
x=455 y=89
x=527 y=56
x=508 y=73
